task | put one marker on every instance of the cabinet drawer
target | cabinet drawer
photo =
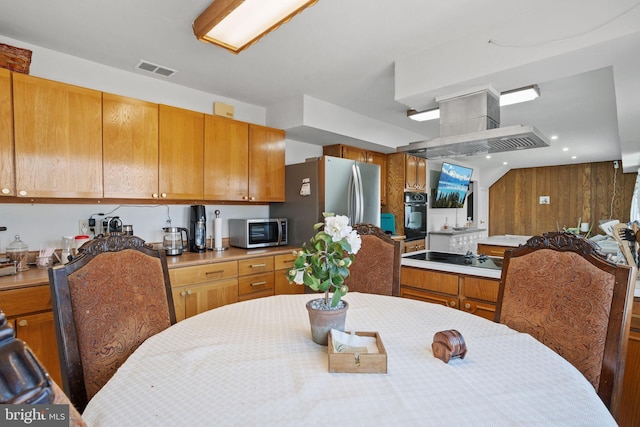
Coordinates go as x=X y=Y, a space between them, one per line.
x=203 y=273
x=17 y=302
x=429 y=297
x=479 y=308
x=255 y=265
x=256 y=283
x=285 y=261
x=430 y=280
x=477 y=288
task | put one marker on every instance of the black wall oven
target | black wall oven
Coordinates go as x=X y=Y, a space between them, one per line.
x=415 y=215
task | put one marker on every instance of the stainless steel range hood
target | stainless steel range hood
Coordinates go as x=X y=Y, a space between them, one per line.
x=469 y=125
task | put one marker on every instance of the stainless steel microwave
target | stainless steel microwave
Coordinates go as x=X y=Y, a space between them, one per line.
x=258 y=233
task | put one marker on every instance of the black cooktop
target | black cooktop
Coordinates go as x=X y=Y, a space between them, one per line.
x=469 y=260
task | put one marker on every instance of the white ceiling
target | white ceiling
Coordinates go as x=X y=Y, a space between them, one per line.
x=347 y=71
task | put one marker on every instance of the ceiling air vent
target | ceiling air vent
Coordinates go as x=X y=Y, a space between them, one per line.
x=155 y=68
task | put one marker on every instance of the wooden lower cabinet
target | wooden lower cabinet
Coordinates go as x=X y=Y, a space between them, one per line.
x=629 y=406
x=256 y=279
x=28 y=311
x=475 y=295
x=414 y=245
x=493 y=250
x=200 y=288
x=282 y=264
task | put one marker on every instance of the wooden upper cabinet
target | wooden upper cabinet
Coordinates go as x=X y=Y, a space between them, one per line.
x=226 y=159
x=266 y=164
x=243 y=162
x=380 y=160
x=130 y=143
x=7 y=178
x=181 y=150
x=58 y=139
x=416 y=173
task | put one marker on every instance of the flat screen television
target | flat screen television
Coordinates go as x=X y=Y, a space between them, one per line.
x=453 y=186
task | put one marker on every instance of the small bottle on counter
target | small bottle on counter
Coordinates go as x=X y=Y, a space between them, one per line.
x=446 y=224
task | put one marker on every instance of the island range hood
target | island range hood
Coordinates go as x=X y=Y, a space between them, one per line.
x=470 y=124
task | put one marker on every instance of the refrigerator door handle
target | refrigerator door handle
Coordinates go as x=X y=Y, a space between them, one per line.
x=359 y=197
x=351 y=196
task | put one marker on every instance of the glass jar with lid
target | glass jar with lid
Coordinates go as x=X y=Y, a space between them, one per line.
x=18 y=252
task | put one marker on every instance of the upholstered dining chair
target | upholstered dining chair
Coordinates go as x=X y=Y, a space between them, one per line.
x=376 y=267
x=106 y=302
x=561 y=290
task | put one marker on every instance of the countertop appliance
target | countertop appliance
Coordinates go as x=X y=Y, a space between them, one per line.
x=173 y=241
x=197 y=229
x=468 y=259
x=328 y=184
x=415 y=215
x=258 y=233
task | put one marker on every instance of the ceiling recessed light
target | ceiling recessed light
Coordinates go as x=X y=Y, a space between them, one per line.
x=554 y=137
x=488 y=156
x=504 y=163
x=574 y=157
x=565 y=149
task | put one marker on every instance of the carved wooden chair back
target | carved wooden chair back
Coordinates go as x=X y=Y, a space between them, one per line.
x=376 y=267
x=561 y=290
x=106 y=302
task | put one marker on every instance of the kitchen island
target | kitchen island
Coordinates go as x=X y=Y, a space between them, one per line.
x=469 y=284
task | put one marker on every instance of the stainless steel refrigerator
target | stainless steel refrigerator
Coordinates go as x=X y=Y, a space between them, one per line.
x=328 y=184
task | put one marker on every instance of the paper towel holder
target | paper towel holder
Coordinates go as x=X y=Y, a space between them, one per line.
x=216 y=242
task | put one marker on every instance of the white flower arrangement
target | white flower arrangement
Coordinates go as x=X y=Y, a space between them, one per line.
x=324 y=261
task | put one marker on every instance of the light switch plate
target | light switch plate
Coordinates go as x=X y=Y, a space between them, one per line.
x=544 y=200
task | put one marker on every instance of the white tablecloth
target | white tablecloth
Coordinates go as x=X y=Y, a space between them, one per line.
x=253 y=363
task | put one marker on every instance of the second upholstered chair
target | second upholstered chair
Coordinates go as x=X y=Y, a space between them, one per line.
x=106 y=302
x=561 y=290
x=376 y=267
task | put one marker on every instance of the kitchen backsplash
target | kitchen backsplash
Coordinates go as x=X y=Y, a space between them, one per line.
x=43 y=225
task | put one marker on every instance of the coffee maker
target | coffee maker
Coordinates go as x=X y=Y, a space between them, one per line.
x=198 y=229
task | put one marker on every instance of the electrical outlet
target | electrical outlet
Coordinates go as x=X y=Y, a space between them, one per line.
x=615 y=164
x=83 y=226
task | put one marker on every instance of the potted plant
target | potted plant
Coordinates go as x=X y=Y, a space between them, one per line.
x=322 y=264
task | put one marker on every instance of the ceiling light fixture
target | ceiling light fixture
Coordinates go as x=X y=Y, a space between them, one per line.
x=509 y=97
x=237 y=24
x=422 y=116
x=516 y=96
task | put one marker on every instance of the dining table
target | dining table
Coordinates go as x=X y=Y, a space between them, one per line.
x=253 y=363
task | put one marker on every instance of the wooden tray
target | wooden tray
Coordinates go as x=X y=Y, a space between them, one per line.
x=365 y=363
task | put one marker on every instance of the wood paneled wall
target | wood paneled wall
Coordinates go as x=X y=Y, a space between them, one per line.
x=576 y=191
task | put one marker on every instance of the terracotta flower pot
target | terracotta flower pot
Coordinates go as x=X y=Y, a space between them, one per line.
x=322 y=321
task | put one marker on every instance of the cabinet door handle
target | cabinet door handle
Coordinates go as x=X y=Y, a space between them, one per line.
x=213 y=272
x=163 y=195
x=467 y=306
x=22 y=192
x=5 y=191
x=154 y=195
x=259 y=283
x=452 y=303
x=258 y=265
x=183 y=294
x=23 y=322
x=189 y=292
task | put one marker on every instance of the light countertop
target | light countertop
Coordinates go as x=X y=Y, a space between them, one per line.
x=511 y=240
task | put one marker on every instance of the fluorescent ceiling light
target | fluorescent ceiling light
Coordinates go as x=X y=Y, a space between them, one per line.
x=237 y=24
x=424 y=115
x=516 y=96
